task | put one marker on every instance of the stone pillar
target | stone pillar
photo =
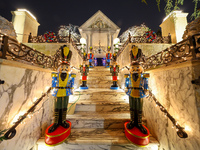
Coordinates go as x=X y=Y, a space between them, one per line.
x=108 y=40
x=174 y=24
x=90 y=39
x=87 y=43
x=24 y=23
x=112 y=49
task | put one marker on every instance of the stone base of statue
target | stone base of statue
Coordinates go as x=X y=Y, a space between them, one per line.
x=83 y=88
x=58 y=136
x=114 y=88
x=136 y=137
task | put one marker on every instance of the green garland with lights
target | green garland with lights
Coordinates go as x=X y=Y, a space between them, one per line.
x=179 y=129
x=7 y=132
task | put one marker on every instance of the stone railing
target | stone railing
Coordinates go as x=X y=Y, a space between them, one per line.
x=41 y=39
x=188 y=49
x=143 y=39
x=13 y=50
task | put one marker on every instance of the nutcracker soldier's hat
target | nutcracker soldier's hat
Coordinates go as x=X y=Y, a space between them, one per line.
x=114 y=57
x=136 y=54
x=66 y=54
x=109 y=48
x=84 y=56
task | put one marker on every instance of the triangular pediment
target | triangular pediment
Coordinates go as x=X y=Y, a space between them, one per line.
x=99 y=21
x=99 y=24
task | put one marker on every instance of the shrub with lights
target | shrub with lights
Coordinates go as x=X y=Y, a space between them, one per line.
x=49 y=36
x=150 y=35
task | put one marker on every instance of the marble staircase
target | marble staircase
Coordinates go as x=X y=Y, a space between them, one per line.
x=99 y=117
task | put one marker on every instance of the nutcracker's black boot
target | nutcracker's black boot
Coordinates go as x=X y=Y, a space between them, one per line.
x=131 y=124
x=63 y=123
x=114 y=84
x=139 y=124
x=55 y=125
x=91 y=66
x=84 y=84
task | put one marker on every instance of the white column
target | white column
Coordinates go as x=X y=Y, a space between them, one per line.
x=90 y=39
x=112 y=50
x=108 y=40
x=87 y=43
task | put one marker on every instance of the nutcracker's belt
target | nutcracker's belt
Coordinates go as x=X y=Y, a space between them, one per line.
x=135 y=88
x=62 y=87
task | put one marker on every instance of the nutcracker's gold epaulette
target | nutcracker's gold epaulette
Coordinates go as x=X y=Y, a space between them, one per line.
x=81 y=66
x=111 y=66
x=146 y=75
x=53 y=74
x=118 y=65
x=126 y=75
x=73 y=75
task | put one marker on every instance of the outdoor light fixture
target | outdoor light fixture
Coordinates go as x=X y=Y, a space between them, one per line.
x=116 y=41
x=82 y=41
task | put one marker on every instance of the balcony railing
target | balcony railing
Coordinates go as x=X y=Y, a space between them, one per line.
x=188 y=49
x=13 y=50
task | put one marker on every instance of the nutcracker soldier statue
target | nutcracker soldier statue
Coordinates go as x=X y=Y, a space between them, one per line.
x=104 y=61
x=137 y=88
x=84 y=69
x=62 y=85
x=90 y=57
x=95 y=62
x=108 y=57
x=114 y=69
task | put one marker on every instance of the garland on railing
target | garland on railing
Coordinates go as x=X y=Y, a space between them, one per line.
x=179 y=129
x=11 y=132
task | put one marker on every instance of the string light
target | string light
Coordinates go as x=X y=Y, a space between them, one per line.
x=180 y=130
x=19 y=118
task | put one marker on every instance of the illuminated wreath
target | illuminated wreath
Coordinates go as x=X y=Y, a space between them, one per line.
x=150 y=35
x=49 y=36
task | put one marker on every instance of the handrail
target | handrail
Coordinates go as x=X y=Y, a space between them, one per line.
x=143 y=39
x=179 y=129
x=12 y=131
x=12 y=49
x=185 y=50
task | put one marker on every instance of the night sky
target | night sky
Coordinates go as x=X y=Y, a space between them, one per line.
x=125 y=13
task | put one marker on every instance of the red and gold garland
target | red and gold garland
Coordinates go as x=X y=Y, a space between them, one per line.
x=49 y=36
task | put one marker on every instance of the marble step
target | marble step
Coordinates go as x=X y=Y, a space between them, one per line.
x=99 y=74
x=102 y=106
x=99 y=91
x=100 y=78
x=105 y=120
x=100 y=69
x=99 y=94
x=98 y=81
x=103 y=73
x=100 y=85
x=98 y=139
